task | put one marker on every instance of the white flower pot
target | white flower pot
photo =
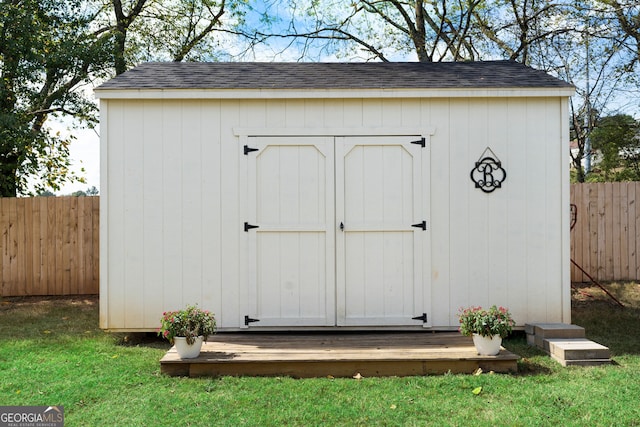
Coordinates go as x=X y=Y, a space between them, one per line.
x=188 y=351
x=487 y=346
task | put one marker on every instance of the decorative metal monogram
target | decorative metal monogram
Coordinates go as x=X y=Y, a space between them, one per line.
x=488 y=173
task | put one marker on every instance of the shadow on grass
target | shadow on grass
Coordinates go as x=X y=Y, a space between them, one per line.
x=142 y=339
x=528 y=367
x=533 y=360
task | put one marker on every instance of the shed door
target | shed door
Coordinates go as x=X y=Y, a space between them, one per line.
x=379 y=253
x=339 y=238
x=291 y=253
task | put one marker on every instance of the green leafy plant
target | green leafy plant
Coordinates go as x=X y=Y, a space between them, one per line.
x=494 y=321
x=190 y=323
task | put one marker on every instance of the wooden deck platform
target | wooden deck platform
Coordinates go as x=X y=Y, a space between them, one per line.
x=336 y=354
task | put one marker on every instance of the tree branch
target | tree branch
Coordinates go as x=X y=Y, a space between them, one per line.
x=189 y=45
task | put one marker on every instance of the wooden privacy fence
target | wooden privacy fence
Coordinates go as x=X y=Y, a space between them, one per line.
x=604 y=240
x=49 y=246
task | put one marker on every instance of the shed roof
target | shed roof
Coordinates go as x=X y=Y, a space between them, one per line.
x=315 y=75
x=273 y=80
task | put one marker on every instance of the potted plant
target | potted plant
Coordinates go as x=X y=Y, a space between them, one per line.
x=487 y=327
x=187 y=329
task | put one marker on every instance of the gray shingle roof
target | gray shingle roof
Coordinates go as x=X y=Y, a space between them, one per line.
x=314 y=75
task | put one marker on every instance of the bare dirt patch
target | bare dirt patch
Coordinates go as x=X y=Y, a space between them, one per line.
x=585 y=294
x=35 y=302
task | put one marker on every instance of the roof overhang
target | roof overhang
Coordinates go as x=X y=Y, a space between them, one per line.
x=332 y=93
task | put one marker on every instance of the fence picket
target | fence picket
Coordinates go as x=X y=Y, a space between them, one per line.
x=624 y=230
x=632 y=226
x=49 y=246
x=605 y=238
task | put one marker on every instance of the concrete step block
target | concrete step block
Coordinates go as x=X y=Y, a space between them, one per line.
x=558 y=330
x=530 y=328
x=577 y=349
x=543 y=331
x=588 y=362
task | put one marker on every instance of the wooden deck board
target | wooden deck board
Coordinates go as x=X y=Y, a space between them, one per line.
x=337 y=355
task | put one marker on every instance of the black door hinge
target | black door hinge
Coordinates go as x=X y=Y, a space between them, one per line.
x=422 y=225
x=421 y=142
x=248 y=320
x=423 y=317
x=248 y=226
x=248 y=150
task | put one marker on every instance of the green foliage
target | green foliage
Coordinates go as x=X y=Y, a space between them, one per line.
x=47 y=51
x=487 y=323
x=184 y=30
x=190 y=323
x=92 y=191
x=51 y=51
x=171 y=30
x=617 y=142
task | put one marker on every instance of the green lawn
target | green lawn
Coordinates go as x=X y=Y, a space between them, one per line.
x=52 y=353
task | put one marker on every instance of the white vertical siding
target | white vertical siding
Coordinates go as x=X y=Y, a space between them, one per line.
x=536 y=221
x=191 y=200
x=334 y=113
x=516 y=167
x=557 y=202
x=459 y=230
x=275 y=114
x=173 y=198
x=231 y=196
x=353 y=113
x=172 y=266
x=504 y=247
x=565 y=229
x=497 y=205
x=104 y=215
x=112 y=244
x=294 y=113
x=211 y=232
x=153 y=197
x=479 y=242
x=444 y=305
x=163 y=216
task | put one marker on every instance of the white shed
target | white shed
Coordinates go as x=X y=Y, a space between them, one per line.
x=333 y=195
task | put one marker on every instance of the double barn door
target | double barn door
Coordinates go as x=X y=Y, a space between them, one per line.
x=336 y=231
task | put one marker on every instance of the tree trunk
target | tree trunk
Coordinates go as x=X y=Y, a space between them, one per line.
x=123 y=22
x=8 y=179
x=120 y=64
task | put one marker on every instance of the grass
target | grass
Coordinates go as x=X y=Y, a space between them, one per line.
x=52 y=353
